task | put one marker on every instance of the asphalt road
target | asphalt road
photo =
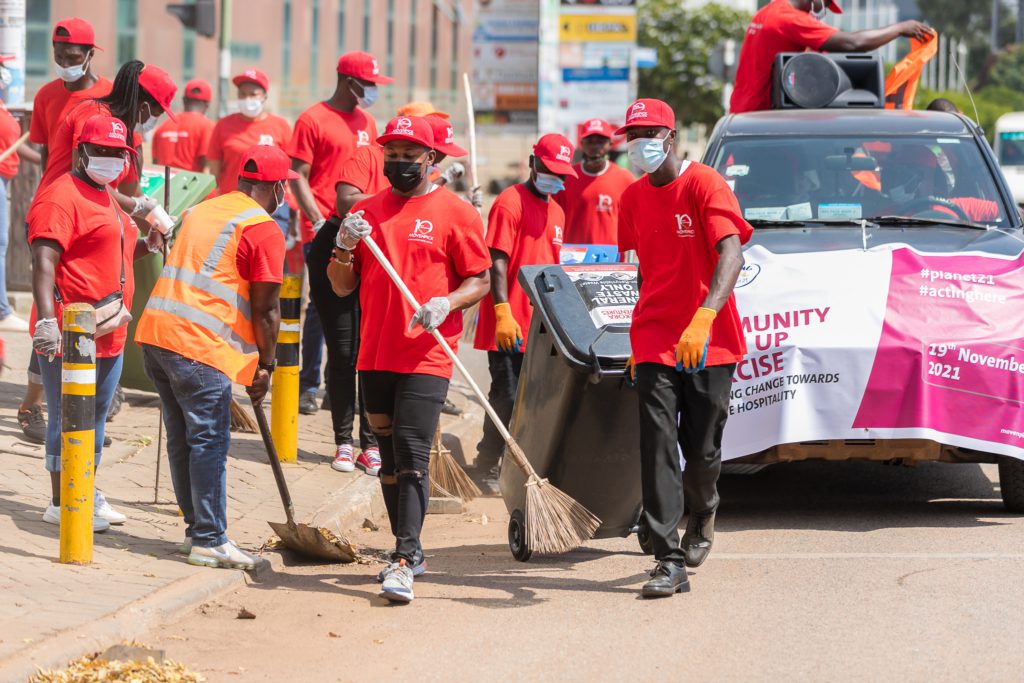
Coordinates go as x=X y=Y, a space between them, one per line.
x=821 y=571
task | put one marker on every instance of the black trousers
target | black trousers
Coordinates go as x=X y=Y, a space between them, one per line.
x=339 y=317
x=412 y=403
x=679 y=410
x=505 y=369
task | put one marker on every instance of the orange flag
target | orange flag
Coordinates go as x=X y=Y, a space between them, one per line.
x=901 y=84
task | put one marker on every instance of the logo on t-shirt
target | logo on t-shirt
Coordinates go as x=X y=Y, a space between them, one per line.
x=421 y=232
x=266 y=140
x=604 y=203
x=559 y=232
x=363 y=139
x=684 y=225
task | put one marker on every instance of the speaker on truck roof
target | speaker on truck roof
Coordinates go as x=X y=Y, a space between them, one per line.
x=812 y=80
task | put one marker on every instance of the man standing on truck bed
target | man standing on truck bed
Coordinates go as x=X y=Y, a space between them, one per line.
x=685 y=225
x=796 y=26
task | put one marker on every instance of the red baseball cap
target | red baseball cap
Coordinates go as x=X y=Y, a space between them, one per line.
x=834 y=6
x=106 y=131
x=6 y=58
x=444 y=136
x=252 y=76
x=363 y=66
x=412 y=128
x=556 y=152
x=648 y=113
x=79 y=32
x=272 y=164
x=198 y=89
x=157 y=83
x=596 y=127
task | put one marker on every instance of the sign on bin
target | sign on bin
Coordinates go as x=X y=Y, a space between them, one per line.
x=610 y=291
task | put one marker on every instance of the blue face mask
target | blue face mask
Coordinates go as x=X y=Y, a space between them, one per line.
x=548 y=184
x=647 y=154
x=369 y=96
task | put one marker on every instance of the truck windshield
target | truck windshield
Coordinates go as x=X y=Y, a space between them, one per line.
x=1011 y=148
x=834 y=179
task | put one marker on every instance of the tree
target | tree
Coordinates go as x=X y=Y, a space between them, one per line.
x=970 y=22
x=685 y=40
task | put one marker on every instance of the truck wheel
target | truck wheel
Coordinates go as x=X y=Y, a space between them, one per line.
x=517 y=542
x=1011 y=483
x=643 y=535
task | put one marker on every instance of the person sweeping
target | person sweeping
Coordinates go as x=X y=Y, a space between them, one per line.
x=435 y=242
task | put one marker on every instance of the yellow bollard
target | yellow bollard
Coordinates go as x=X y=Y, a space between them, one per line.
x=284 y=404
x=78 y=435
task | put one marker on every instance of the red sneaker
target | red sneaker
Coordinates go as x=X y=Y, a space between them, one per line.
x=369 y=461
x=343 y=459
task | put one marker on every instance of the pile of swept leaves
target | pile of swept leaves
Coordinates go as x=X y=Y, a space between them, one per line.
x=92 y=669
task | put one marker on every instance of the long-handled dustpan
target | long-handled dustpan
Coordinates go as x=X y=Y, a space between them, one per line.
x=313 y=542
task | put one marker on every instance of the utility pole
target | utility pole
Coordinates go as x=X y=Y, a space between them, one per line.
x=12 y=42
x=995 y=26
x=225 y=57
x=1020 y=22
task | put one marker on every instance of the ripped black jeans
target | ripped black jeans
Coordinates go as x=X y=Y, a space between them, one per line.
x=403 y=410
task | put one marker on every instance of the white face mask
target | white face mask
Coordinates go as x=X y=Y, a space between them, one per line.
x=819 y=14
x=280 y=202
x=647 y=154
x=149 y=125
x=70 y=74
x=104 y=170
x=250 y=107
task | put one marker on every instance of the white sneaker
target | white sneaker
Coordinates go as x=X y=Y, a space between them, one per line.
x=52 y=516
x=108 y=513
x=397 y=584
x=227 y=556
x=13 y=323
x=186 y=547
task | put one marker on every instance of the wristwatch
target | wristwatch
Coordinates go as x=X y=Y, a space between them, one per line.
x=269 y=367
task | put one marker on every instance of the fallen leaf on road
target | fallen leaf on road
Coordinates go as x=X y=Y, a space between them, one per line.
x=332 y=634
x=378 y=642
x=150 y=575
x=245 y=614
x=369 y=525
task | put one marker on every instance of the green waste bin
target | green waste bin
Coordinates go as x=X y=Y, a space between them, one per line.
x=187 y=190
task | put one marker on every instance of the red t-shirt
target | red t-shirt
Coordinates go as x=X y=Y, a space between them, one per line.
x=435 y=242
x=591 y=204
x=260 y=255
x=529 y=230
x=65 y=140
x=326 y=138
x=10 y=131
x=82 y=220
x=53 y=102
x=674 y=230
x=777 y=27
x=181 y=143
x=234 y=135
x=365 y=171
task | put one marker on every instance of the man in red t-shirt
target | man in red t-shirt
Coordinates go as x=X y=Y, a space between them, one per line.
x=435 y=242
x=183 y=143
x=591 y=199
x=796 y=26
x=686 y=227
x=326 y=136
x=74 y=46
x=235 y=134
x=525 y=227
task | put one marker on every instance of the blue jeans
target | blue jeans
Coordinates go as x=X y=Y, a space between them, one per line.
x=108 y=374
x=312 y=343
x=5 y=235
x=197 y=417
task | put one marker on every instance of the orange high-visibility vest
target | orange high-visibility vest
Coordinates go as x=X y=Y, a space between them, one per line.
x=199 y=307
x=901 y=84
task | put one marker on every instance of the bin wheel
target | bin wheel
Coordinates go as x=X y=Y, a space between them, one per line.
x=643 y=535
x=517 y=537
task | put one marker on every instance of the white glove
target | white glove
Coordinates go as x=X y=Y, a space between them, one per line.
x=155 y=241
x=453 y=173
x=353 y=229
x=46 y=339
x=476 y=197
x=319 y=224
x=432 y=314
x=143 y=205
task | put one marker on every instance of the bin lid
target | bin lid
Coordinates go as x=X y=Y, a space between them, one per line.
x=588 y=309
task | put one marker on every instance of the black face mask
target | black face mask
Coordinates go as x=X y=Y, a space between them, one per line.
x=403 y=175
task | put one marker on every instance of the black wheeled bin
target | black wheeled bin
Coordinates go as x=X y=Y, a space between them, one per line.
x=575 y=416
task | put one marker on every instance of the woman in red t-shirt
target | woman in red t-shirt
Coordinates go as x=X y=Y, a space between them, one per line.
x=83 y=245
x=435 y=242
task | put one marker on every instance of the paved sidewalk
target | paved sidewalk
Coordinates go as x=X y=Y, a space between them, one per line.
x=49 y=610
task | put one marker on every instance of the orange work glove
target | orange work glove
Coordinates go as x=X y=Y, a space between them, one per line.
x=507 y=333
x=693 y=344
x=631 y=369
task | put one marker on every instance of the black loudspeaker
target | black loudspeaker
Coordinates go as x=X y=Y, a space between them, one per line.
x=812 y=80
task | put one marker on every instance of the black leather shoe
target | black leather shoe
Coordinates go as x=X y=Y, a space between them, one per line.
x=698 y=538
x=667 y=579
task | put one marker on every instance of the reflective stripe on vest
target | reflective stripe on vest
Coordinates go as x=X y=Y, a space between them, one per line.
x=210 y=286
x=203 y=319
x=226 y=233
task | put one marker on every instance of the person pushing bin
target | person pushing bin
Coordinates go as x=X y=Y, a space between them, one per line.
x=686 y=227
x=525 y=227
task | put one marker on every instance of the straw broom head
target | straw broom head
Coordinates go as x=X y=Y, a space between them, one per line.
x=446 y=473
x=241 y=421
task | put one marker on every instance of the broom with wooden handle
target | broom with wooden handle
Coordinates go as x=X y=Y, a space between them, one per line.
x=447 y=475
x=555 y=523
x=471 y=315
